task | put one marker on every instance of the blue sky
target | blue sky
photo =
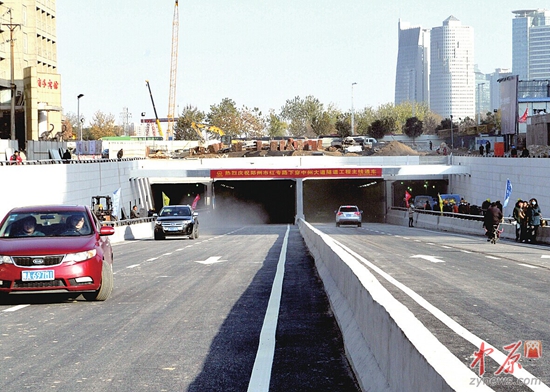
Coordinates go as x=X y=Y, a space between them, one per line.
x=257 y=52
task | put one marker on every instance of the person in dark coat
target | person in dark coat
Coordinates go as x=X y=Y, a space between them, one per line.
x=481 y=149
x=533 y=217
x=492 y=218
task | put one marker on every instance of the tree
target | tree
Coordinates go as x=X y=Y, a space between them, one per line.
x=226 y=116
x=343 y=125
x=275 y=126
x=413 y=127
x=67 y=130
x=103 y=125
x=301 y=113
x=252 y=123
x=182 y=128
x=377 y=130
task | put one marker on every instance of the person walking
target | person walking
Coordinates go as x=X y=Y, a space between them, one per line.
x=492 y=218
x=487 y=148
x=411 y=215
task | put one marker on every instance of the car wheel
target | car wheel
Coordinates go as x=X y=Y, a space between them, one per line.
x=359 y=224
x=194 y=233
x=337 y=224
x=107 y=283
x=159 y=236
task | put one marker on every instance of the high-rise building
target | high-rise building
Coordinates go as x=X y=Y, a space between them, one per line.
x=531 y=44
x=28 y=56
x=452 y=79
x=413 y=64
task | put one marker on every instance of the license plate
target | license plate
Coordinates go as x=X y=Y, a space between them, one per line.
x=31 y=276
x=172 y=229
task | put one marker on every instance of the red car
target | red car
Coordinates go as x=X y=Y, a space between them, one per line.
x=55 y=249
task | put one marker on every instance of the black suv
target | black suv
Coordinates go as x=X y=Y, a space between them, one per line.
x=178 y=220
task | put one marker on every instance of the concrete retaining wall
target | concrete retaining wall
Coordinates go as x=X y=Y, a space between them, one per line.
x=388 y=347
x=437 y=221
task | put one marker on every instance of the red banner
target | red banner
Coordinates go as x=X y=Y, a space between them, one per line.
x=375 y=172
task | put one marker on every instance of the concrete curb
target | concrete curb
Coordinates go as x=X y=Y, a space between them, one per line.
x=388 y=347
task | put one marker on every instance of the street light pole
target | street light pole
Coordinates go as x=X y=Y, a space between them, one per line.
x=78 y=114
x=452 y=134
x=352 y=111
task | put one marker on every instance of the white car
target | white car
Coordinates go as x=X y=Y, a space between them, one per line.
x=350 y=215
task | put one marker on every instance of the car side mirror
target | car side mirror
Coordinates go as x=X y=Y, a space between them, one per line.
x=195 y=214
x=155 y=215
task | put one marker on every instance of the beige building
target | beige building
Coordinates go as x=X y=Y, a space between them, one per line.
x=28 y=57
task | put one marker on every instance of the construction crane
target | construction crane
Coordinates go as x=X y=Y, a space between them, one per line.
x=173 y=71
x=154 y=109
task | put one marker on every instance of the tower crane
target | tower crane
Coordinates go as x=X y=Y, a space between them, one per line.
x=173 y=71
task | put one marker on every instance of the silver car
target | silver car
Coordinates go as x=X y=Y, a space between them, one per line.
x=348 y=215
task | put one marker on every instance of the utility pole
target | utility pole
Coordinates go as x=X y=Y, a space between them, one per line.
x=12 y=26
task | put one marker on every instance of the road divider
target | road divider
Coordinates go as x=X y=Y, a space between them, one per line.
x=388 y=348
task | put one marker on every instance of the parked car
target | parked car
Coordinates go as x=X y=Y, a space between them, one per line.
x=350 y=215
x=177 y=220
x=58 y=249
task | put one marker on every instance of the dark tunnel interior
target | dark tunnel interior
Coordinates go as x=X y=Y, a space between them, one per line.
x=274 y=201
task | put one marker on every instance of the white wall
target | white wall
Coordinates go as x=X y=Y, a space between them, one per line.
x=529 y=177
x=63 y=183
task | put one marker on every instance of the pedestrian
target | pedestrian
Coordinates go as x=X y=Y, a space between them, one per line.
x=524 y=152
x=481 y=149
x=428 y=206
x=134 y=214
x=120 y=153
x=431 y=145
x=487 y=148
x=514 y=152
x=411 y=215
x=16 y=159
x=519 y=216
x=492 y=218
x=534 y=216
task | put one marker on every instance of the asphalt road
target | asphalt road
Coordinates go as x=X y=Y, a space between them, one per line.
x=496 y=293
x=185 y=315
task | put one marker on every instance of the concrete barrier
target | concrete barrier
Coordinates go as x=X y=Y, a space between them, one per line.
x=139 y=230
x=457 y=224
x=388 y=347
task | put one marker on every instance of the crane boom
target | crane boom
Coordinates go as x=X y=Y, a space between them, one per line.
x=173 y=71
x=154 y=109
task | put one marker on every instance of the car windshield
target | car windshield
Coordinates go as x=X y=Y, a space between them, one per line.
x=175 y=211
x=46 y=224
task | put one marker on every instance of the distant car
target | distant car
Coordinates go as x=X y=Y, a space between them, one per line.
x=105 y=154
x=177 y=220
x=348 y=215
x=41 y=252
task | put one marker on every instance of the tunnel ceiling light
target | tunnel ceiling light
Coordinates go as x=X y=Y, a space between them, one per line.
x=366 y=185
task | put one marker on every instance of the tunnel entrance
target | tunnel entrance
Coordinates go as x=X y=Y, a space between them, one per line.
x=323 y=197
x=255 y=201
x=183 y=193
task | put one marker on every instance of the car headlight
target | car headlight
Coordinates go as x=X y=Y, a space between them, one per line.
x=80 y=256
x=5 y=260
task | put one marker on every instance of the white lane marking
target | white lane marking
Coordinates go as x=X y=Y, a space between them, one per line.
x=261 y=372
x=493 y=257
x=152 y=259
x=498 y=356
x=133 y=266
x=545 y=257
x=430 y=243
x=528 y=266
x=167 y=254
x=433 y=259
x=15 y=308
x=445 y=246
x=211 y=260
x=465 y=251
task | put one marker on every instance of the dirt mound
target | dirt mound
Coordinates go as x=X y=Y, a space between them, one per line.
x=395 y=148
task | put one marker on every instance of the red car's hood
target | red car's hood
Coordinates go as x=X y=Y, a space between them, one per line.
x=32 y=246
